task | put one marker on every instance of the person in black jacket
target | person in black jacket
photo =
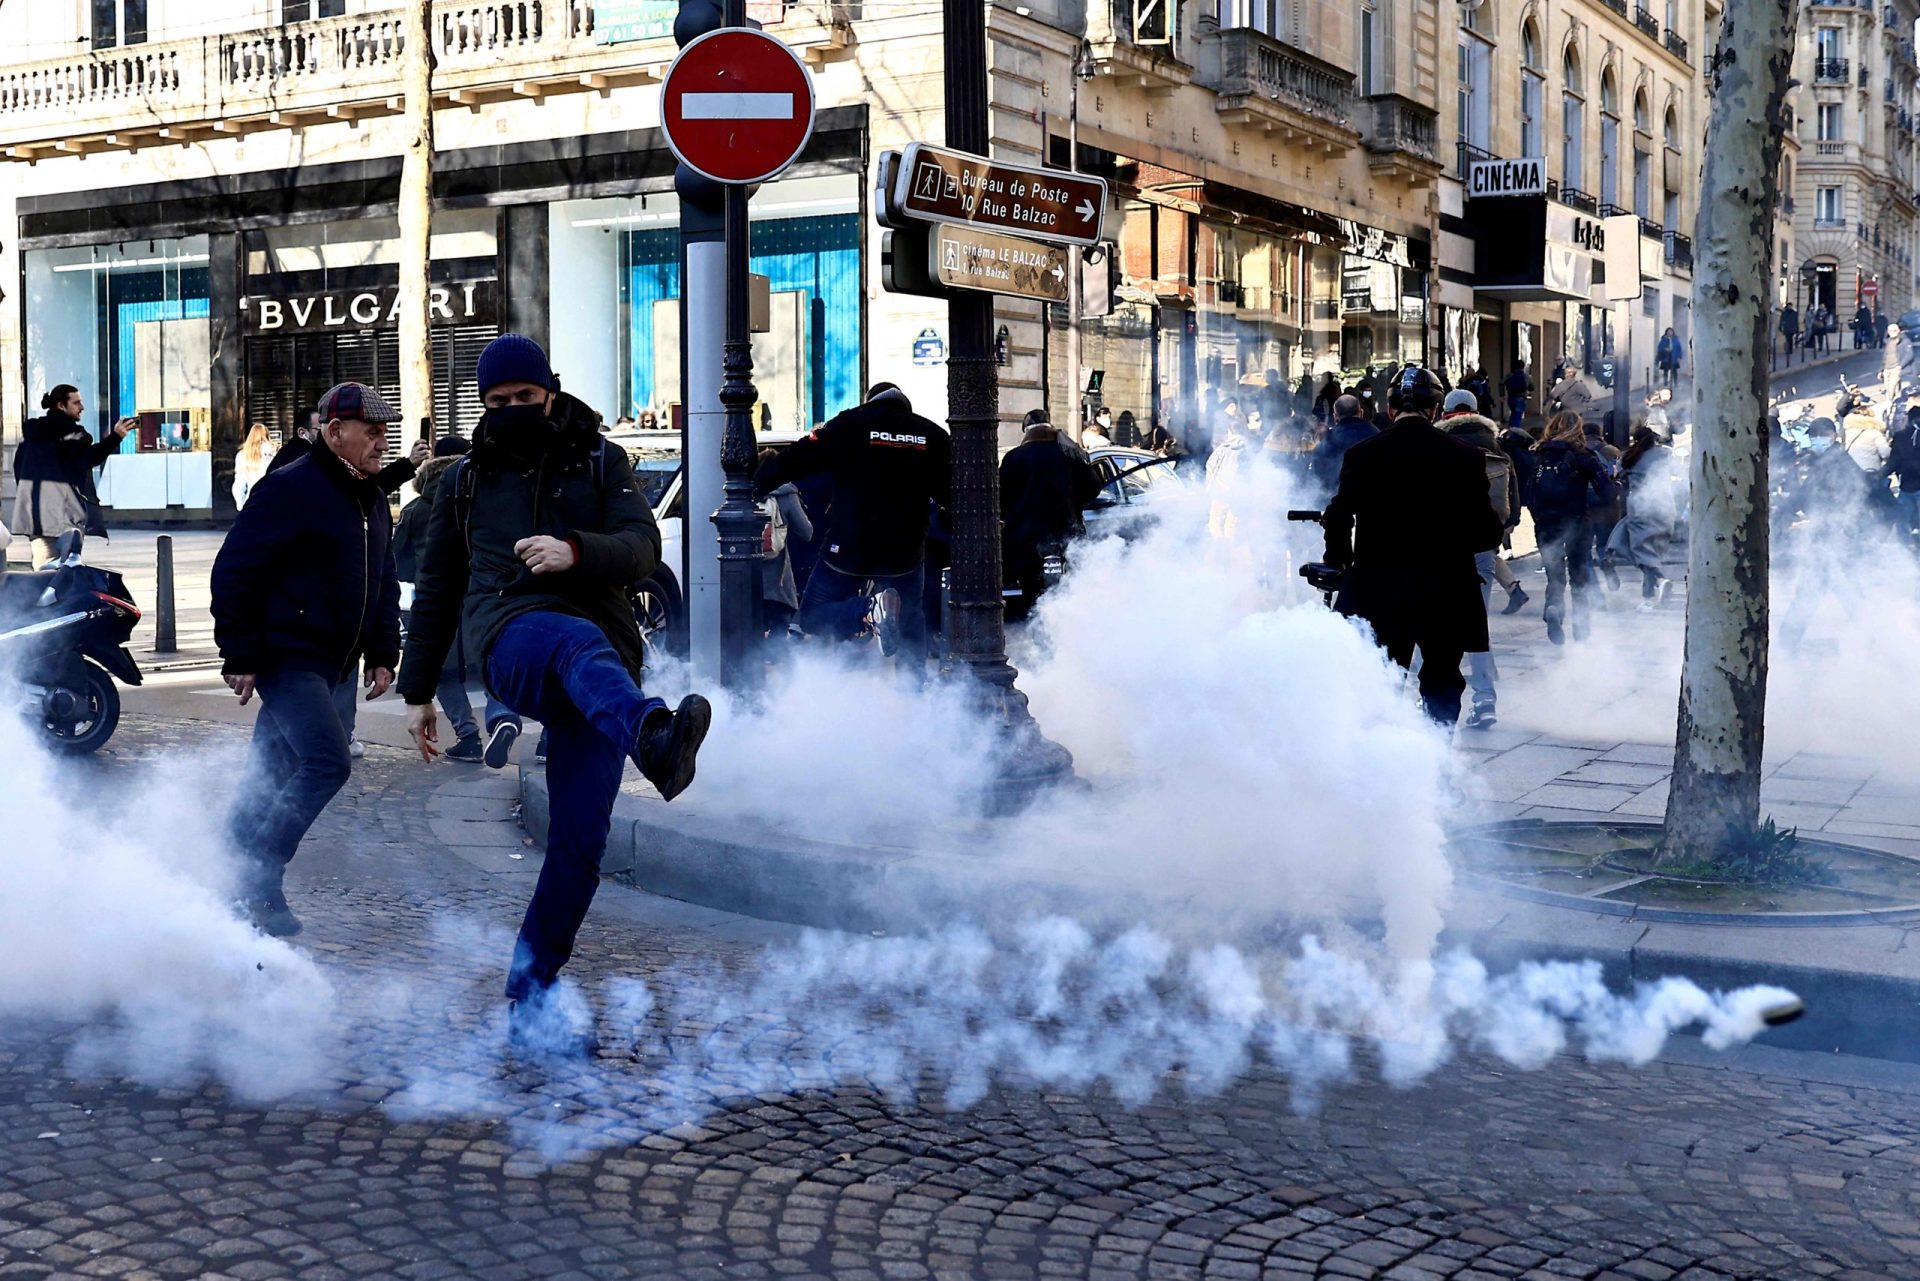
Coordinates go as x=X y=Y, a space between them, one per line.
x=1903 y=463
x=1350 y=427
x=888 y=465
x=1410 y=515
x=534 y=541
x=54 y=469
x=303 y=588
x=390 y=478
x=1044 y=488
x=1566 y=480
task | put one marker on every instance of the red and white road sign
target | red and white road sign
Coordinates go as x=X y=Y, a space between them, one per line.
x=1870 y=290
x=737 y=105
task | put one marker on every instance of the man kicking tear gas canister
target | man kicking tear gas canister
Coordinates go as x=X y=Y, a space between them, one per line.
x=535 y=539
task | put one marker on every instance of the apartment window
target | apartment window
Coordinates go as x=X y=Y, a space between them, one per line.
x=1673 y=15
x=1670 y=131
x=1829 y=122
x=1369 y=58
x=1531 y=93
x=1476 y=56
x=1573 y=127
x=1609 y=141
x=1642 y=183
x=304 y=10
x=1827 y=43
x=1826 y=205
x=1642 y=119
x=118 y=22
x=1670 y=213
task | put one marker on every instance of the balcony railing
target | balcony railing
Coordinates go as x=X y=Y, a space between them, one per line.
x=1831 y=70
x=1257 y=65
x=1618 y=6
x=1649 y=25
x=1652 y=230
x=1829 y=223
x=1863 y=76
x=1465 y=153
x=1402 y=125
x=1829 y=147
x=1679 y=251
x=1574 y=198
x=1676 y=44
x=1613 y=211
x=347 y=65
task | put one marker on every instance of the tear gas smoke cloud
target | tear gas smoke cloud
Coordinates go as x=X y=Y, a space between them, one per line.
x=1251 y=759
x=114 y=914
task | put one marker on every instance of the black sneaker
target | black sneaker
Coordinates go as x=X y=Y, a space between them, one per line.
x=500 y=741
x=1517 y=599
x=271 y=915
x=467 y=750
x=1482 y=717
x=538 y=1028
x=1554 y=633
x=669 y=741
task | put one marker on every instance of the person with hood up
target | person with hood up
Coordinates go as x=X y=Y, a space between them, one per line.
x=1567 y=475
x=304 y=587
x=1044 y=489
x=1406 y=524
x=890 y=470
x=53 y=469
x=1654 y=491
x=1460 y=419
x=534 y=541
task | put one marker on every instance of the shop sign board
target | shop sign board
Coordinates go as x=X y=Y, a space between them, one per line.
x=968 y=258
x=1523 y=177
x=624 y=21
x=467 y=302
x=939 y=185
x=737 y=106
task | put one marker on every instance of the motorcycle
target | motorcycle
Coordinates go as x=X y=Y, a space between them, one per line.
x=63 y=641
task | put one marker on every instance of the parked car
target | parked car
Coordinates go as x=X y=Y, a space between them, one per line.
x=1129 y=479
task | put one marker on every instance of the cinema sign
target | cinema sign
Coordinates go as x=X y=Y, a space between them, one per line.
x=1526 y=177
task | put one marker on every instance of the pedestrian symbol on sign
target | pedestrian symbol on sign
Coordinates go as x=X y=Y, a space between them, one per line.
x=951 y=252
x=928 y=182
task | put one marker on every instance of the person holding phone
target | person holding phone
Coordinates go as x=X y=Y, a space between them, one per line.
x=54 y=467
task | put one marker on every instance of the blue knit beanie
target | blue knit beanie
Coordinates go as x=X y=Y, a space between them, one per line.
x=511 y=358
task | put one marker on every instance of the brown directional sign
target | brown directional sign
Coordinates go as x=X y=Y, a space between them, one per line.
x=968 y=258
x=937 y=185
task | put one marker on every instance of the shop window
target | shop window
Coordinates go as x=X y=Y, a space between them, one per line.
x=1650 y=304
x=119 y=22
x=617 y=342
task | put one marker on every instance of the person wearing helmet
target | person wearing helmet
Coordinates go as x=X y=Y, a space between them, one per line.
x=1406 y=523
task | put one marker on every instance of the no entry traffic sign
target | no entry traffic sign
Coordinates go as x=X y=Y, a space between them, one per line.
x=737 y=105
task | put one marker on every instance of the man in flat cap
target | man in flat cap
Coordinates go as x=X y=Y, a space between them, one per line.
x=304 y=588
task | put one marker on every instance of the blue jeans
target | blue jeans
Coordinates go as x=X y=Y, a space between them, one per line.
x=299 y=764
x=346 y=700
x=452 y=693
x=833 y=605
x=1516 y=410
x=1482 y=672
x=563 y=672
x=1909 y=508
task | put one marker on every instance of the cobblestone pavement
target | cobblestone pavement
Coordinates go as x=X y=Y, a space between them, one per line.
x=1691 y=1167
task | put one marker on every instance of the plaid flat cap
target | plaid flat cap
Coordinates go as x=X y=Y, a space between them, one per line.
x=356 y=400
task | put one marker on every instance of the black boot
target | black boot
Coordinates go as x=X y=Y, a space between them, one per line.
x=669 y=741
x=265 y=902
x=1516 y=599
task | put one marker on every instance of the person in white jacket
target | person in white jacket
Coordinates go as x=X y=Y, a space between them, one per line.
x=251 y=463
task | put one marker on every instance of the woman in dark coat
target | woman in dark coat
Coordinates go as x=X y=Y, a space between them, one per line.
x=54 y=469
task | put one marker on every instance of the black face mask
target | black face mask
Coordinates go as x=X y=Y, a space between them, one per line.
x=518 y=428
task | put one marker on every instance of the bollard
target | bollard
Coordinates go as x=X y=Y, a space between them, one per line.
x=164 y=639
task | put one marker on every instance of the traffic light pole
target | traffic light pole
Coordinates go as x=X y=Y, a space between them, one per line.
x=976 y=625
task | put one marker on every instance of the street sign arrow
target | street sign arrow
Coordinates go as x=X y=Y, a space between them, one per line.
x=968 y=258
x=939 y=185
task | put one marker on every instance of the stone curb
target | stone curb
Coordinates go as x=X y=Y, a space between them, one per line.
x=734 y=867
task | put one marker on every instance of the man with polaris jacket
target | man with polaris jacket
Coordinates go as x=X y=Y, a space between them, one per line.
x=304 y=588
x=533 y=543
x=1410 y=515
x=890 y=468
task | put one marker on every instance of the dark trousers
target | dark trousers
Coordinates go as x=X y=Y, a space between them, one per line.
x=1441 y=684
x=562 y=671
x=835 y=602
x=299 y=763
x=1567 y=552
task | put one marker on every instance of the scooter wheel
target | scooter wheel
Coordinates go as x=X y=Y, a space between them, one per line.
x=94 y=719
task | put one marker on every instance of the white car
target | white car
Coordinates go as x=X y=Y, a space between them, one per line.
x=1129 y=478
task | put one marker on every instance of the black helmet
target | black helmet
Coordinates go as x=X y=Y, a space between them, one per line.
x=1419 y=388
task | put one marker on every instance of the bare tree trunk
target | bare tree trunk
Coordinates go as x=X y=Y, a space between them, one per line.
x=416 y=216
x=1723 y=685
